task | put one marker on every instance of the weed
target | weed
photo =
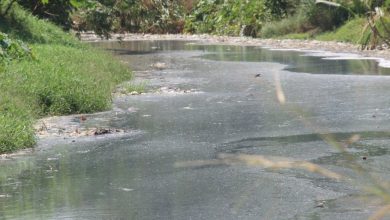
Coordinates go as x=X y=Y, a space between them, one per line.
x=134 y=87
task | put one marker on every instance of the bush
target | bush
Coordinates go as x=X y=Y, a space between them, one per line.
x=57 y=11
x=12 y=49
x=228 y=17
x=152 y=16
x=294 y=24
x=323 y=16
x=19 y=24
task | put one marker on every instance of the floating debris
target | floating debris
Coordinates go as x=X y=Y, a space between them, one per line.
x=320 y=204
x=126 y=189
x=159 y=65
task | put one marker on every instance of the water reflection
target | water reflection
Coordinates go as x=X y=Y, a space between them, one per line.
x=296 y=61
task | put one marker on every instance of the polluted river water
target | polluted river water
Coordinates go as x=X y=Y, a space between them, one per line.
x=204 y=101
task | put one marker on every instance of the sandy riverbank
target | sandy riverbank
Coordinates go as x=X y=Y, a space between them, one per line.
x=311 y=45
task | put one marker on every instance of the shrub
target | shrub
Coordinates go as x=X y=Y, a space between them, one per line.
x=12 y=49
x=293 y=24
x=19 y=24
x=57 y=11
x=323 y=16
x=228 y=17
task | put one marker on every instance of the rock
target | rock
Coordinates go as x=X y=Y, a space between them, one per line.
x=101 y=131
x=83 y=118
x=160 y=66
x=134 y=93
x=320 y=204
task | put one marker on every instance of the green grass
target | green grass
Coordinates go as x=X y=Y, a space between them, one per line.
x=64 y=77
x=65 y=80
x=61 y=80
x=135 y=87
x=291 y=25
x=18 y=23
x=349 y=32
x=292 y=28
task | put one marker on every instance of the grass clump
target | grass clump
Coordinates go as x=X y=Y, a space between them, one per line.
x=135 y=87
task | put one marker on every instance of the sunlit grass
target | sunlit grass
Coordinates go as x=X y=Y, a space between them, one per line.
x=64 y=77
x=350 y=32
x=139 y=87
x=61 y=80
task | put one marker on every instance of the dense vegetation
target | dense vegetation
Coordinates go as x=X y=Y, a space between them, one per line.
x=309 y=18
x=256 y=18
x=53 y=75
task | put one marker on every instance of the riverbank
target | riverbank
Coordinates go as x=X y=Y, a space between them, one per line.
x=61 y=77
x=336 y=49
x=288 y=44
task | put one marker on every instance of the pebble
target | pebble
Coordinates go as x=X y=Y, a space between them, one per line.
x=320 y=204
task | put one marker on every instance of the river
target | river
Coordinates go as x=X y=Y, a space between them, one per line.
x=208 y=101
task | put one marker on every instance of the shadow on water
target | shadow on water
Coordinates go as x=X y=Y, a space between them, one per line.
x=366 y=147
x=234 y=146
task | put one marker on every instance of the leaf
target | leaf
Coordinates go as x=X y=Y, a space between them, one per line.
x=76 y=3
x=329 y=3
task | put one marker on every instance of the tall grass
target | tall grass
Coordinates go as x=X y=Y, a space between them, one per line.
x=64 y=77
x=65 y=80
x=20 y=24
x=294 y=24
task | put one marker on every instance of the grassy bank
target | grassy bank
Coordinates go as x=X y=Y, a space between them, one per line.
x=350 y=32
x=63 y=77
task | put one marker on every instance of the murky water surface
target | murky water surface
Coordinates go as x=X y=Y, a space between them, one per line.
x=229 y=110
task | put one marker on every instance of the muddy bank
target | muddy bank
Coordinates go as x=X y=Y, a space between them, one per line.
x=331 y=46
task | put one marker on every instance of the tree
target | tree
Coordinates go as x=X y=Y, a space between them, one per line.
x=57 y=11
